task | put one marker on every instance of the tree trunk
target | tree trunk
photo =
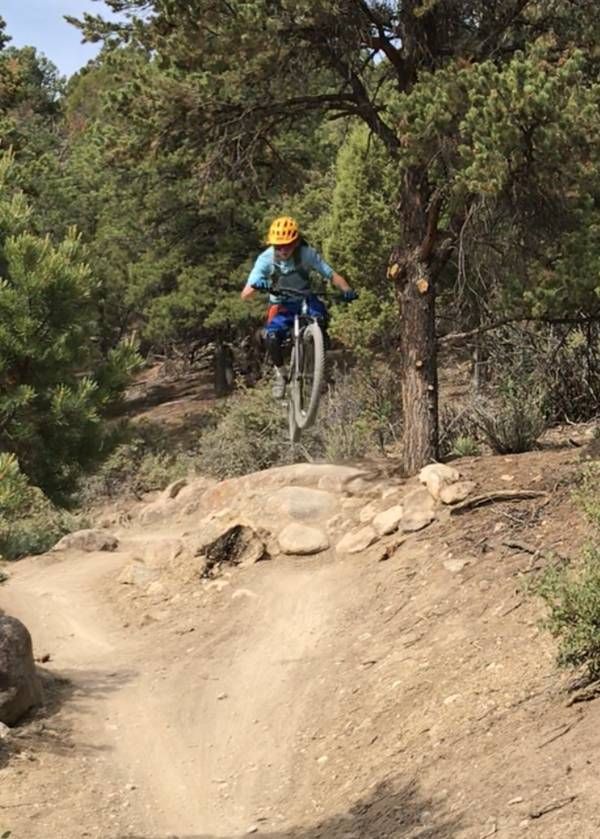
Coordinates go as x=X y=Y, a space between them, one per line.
x=223 y=369
x=414 y=267
x=416 y=298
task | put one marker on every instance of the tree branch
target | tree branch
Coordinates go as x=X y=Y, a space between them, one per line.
x=456 y=337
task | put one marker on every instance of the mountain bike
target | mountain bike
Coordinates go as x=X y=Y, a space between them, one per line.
x=306 y=369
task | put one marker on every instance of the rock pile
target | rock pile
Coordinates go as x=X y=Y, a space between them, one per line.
x=194 y=529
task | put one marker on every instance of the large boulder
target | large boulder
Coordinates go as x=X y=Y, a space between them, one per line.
x=303 y=502
x=227 y=543
x=87 y=540
x=20 y=687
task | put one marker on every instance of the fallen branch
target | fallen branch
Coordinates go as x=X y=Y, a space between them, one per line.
x=499 y=495
x=564 y=729
x=554 y=805
x=584 y=696
x=516 y=545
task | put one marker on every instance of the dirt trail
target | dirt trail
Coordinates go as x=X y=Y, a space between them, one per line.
x=204 y=726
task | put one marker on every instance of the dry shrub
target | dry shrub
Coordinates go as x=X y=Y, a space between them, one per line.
x=514 y=422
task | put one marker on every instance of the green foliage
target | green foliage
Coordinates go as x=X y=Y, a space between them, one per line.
x=51 y=402
x=572 y=597
x=587 y=494
x=514 y=421
x=465 y=447
x=572 y=594
x=251 y=434
x=29 y=522
x=361 y=412
x=145 y=459
x=361 y=224
x=368 y=326
x=15 y=492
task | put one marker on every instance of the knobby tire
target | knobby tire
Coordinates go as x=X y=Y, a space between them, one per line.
x=292 y=398
x=306 y=394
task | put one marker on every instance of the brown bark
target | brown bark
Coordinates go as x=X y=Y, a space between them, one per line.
x=411 y=268
x=416 y=298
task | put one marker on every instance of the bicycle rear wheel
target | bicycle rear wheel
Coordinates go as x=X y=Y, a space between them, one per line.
x=310 y=379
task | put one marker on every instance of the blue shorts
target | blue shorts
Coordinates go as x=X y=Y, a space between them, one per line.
x=280 y=317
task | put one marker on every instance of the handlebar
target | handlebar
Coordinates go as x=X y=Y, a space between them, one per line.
x=294 y=292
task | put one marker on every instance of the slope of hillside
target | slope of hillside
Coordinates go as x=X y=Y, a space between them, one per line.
x=399 y=691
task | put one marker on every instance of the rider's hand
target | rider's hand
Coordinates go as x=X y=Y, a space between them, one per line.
x=261 y=285
x=349 y=296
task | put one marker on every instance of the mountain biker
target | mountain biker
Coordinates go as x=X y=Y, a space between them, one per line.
x=288 y=261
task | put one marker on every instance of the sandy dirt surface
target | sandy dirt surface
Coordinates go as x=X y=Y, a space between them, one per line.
x=307 y=698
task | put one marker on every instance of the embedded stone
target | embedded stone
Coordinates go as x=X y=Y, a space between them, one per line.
x=302 y=540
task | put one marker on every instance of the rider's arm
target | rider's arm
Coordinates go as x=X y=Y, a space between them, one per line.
x=339 y=282
x=260 y=276
x=313 y=259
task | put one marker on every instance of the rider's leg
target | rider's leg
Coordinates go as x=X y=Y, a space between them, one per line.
x=274 y=342
x=318 y=309
x=276 y=330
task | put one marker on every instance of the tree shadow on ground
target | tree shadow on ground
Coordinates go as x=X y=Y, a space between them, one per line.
x=392 y=811
x=190 y=388
x=43 y=729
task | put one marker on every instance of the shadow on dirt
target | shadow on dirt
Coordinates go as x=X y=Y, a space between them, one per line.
x=164 y=392
x=44 y=730
x=391 y=811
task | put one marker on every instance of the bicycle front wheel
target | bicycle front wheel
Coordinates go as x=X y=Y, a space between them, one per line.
x=311 y=373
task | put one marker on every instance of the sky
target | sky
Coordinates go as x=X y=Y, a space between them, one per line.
x=40 y=23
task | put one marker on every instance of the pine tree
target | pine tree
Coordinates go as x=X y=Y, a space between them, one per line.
x=53 y=387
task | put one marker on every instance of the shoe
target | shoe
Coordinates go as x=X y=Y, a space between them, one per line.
x=279 y=383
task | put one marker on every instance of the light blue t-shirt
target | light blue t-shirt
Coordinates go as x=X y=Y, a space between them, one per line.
x=267 y=265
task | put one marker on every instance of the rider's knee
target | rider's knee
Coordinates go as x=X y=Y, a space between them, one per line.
x=274 y=342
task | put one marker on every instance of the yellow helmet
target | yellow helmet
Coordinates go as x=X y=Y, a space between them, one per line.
x=283 y=231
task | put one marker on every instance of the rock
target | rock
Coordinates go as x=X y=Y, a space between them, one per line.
x=455 y=565
x=389 y=520
x=368 y=513
x=352 y=503
x=382 y=551
x=236 y=544
x=335 y=522
x=436 y=476
x=453 y=493
x=418 y=500
x=356 y=541
x=173 y=490
x=138 y=574
x=302 y=540
x=159 y=553
x=303 y=503
x=4 y=731
x=416 y=520
x=156 y=589
x=244 y=594
x=155 y=511
x=193 y=491
x=87 y=540
x=20 y=687
x=358 y=486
